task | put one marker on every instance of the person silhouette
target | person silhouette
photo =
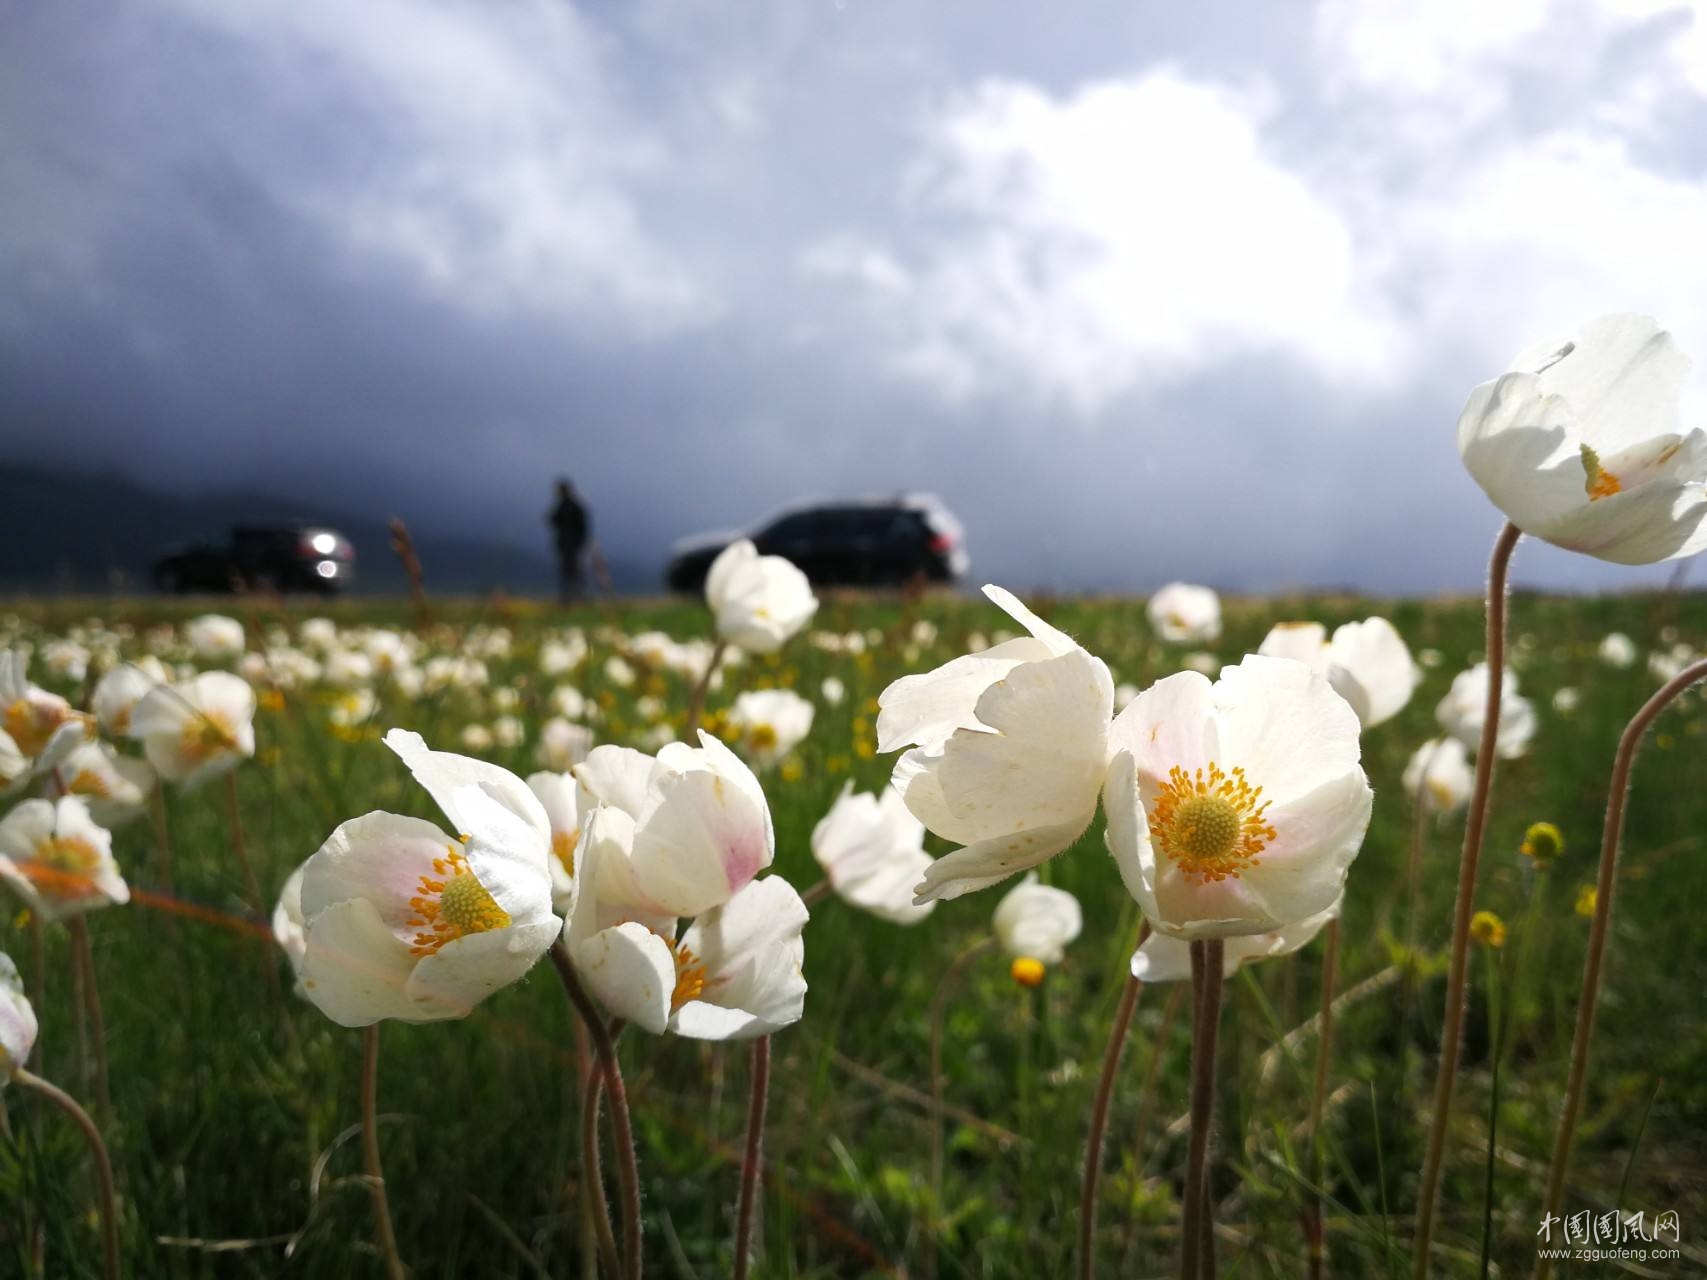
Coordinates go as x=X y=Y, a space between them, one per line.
x=572 y=529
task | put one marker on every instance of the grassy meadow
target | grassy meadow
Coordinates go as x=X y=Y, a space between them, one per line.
x=233 y=1102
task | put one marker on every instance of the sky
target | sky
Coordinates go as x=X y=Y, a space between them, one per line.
x=1144 y=292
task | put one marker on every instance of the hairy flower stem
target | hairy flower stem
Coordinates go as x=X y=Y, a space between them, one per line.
x=752 y=1158
x=628 y=1171
x=1197 y=1227
x=370 y=1153
x=1318 y=1094
x=696 y=699
x=84 y=958
x=592 y=1175
x=103 y=1164
x=939 y=1007
x=1099 y=1118
x=1475 y=828
x=1611 y=836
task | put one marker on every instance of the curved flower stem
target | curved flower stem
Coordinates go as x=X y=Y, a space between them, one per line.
x=696 y=699
x=592 y=1176
x=939 y=1006
x=751 y=1160
x=628 y=1172
x=84 y=959
x=1197 y=1228
x=817 y=893
x=103 y=1164
x=370 y=1153
x=1099 y=1117
x=1475 y=827
x=1324 y=1054
x=1611 y=835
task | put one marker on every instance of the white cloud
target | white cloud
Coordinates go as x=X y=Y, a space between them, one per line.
x=501 y=164
x=1133 y=233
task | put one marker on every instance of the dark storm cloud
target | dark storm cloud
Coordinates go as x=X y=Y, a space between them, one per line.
x=426 y=257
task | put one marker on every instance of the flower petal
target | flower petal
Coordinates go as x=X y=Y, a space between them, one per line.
x=354 y=967
x=632 y=971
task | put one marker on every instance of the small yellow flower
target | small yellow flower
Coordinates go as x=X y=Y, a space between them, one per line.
x=1588 y=897
x=271 y=700
x=792 y=770
x=1488 y=929
x=1027 y=972
x=1542 y=843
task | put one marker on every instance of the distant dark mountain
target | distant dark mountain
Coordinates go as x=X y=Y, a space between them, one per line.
x=67 y=531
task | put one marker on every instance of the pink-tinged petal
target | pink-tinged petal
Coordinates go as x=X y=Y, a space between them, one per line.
x=1302 y=871
x=379 y=857
x=354 y=968
x=1172 y=723
x=443 y=773
x=753 y=953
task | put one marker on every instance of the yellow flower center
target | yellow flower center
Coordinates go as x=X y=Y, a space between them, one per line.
x=65 y=864
x=1443 y=794
x=452 y=906
x=762 y=737
x=1488 y=929
x=1597 y=482
x=31 y=724
x=690 y=977
x=206 y=734
x=86 y=782
x=563 y=845
x=1210 y=823
x=1027 y=971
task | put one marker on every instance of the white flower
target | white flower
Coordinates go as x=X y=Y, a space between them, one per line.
x=507 y=731
x=1165 y=959
x=1009 y=747
x=1580 y=444
x=833 y=691
x=1036 y=922
x=1236 y=807
x=1566 y=700
x=1366 y=662
x=619 y=672
x=735 y=973
x=558 y=656
x=771 y=723
x=1462 y=711
x=67 y=660
x=387 y=650
x=116 y=787
x=1181 y=613
x=214 y=637
x=318 y=633
x=562 y=799
x=873 y=852
x=197 y=730
x=58 y=859
x=36 y=726
x=569 y=702
x=404 y=921
x=563 y=745
x=348 y=668
x=17 y=1020
x=475 y=737
x=1617 y=650
x=1443 y=765
x=759 y=601
x=1666 y=665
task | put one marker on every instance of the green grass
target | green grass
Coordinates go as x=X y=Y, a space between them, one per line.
x=232 y=1106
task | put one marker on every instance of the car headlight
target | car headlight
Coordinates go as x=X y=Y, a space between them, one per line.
x=327 y=569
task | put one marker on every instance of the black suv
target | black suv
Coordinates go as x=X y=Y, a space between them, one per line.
x=873 y=542
x=279 y=557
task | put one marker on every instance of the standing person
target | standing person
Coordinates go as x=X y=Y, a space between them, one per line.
x=571 y=527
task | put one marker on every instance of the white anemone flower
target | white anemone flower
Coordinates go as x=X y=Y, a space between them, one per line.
x=1165 y=959
x=1442 y=766
x=701 y=829
x=1009 y=748
x=290 y=930
x=197 y=730
x=1366 y=662
x=1617 y=650
x=771 y=723
x=39 y=726
x=1183 y=613
x=1464 y=709
x=406 y=922
x=873 y=852
x=1236 y=807
x=17 y=1020
x=58 y=859
x=733 y=974
x=1580 y=444
x=562 y=799
x=1035 y=922
x=116 y=787
x=759 y=601
x=120 y=689
x=562 y=744
x=214 y=637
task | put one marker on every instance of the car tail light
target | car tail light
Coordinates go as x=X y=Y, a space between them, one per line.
x=942 y=543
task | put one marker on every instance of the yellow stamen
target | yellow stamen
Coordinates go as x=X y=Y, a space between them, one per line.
x=31 y=724
x=1210 y=823
x=1598 y=482
x=563 y=845
x=1488 y=929
x=206 y=734
x=762 y=737
x=690 y=978
x=452 y=906
x=87 y=783
x=65 y=865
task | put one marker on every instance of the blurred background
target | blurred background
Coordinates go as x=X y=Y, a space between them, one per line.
x=1137 y=292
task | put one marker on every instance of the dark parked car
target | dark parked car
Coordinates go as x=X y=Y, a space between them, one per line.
x=274 y=557
x=872 y=542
